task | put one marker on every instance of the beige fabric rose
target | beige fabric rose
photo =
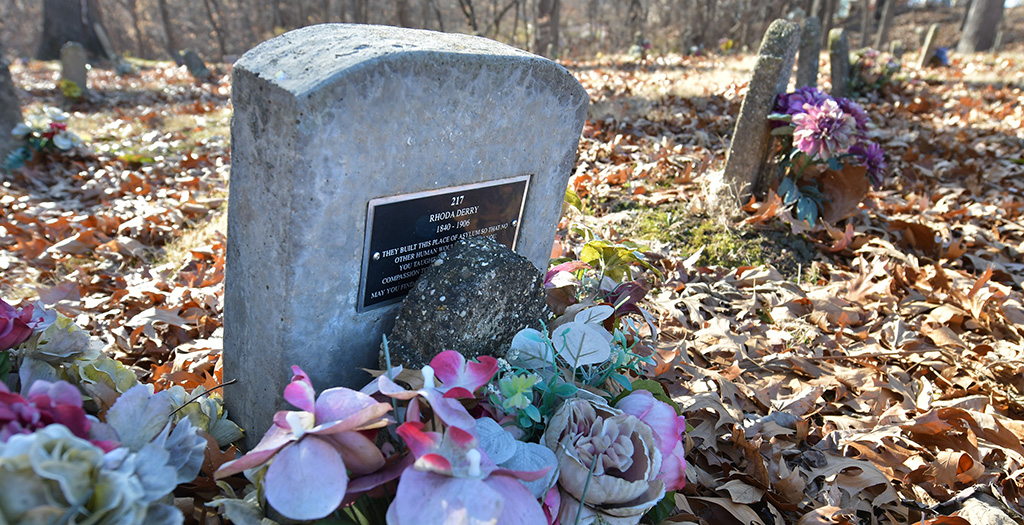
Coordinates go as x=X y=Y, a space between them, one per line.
x=623 y=486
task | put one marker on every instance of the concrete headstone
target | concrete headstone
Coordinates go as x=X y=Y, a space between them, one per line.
x=810 y=53
x=359 y=149
x=196 y=67
x=748 y=150
x=472 y=299
x=10 y=111
x=896 y=49
x=839 y=61
x=74 y=61
x=929 y=47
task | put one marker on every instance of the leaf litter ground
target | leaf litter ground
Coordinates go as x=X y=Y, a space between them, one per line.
x=878 y=382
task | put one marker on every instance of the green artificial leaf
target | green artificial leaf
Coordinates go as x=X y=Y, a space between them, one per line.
x=532 y=412
x=654 y=388
x=565 y=390
x=572 y=199
x=663 y=510
x=5 y=365
x=622 y=380
x=1017 y=161
x=783 y=131
x=136 y=158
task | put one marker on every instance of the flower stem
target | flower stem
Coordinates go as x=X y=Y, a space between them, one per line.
x=586 y=486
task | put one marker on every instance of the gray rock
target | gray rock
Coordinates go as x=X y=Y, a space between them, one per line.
x=328 y=118
x=473 y=300
x=810 y=52
x=748 y=150
x=839 y=61
x=74 y=61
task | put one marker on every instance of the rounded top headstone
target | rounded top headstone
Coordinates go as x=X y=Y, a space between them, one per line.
x=302 y=61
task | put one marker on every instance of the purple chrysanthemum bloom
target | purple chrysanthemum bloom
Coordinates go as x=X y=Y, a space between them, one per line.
x=824 y=130
x=854 y=110
x=873 y=157
x=793 y=103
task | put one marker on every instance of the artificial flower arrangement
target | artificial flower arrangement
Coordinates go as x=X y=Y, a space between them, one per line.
x=561 y=430
x=871 y=71
x=824 y=154
x=45 y=132
x=81 y=440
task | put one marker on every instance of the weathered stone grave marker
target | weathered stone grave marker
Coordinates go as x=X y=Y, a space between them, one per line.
x=929 y=47
x=10 y=110
x=196 y=67
x=839 y=61
x=748 y=150
x=74 y=63
x=358 y=154
x=810 y=53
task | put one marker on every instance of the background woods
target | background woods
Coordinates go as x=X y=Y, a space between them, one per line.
x=158 y=29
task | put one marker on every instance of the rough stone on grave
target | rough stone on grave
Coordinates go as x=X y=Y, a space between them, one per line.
x=748 y=151
x=327 y=118
x=929 y=47
x=839 y=61
x=10 y=110
x=810 y=52
x=896 y=49
x=74 y=63
x=196 y=67
x=473 y=300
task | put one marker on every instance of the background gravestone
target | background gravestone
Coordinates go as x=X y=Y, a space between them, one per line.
x=748 y=150
x=329 y=118
x=74 y=62
x=929 y=47
x=839 y=61
x=810 y=53
x=196 y=67
x=10 y=110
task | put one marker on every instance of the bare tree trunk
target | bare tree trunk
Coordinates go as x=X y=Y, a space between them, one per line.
x=545 y=39
x=170 y=34
x=360 y=11
x=983 y=20
x=865 y=22
x=883 y=29
x=402 y=13
x=466 y=6
x=215 y=24
x=70 y=21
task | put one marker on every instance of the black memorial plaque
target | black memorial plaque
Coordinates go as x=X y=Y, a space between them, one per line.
x=405 y=233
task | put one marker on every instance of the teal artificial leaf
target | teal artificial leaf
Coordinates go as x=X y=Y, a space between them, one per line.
x=834 y=164
x=783 y=131
x=807 y=210
x=565 y=390
x=533 y=413
x=622 y=380
x=788 y=191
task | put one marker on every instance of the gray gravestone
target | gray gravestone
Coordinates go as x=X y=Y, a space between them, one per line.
x=473 y=299
x=10 y=111
x=358 y=154
x=896 y=49
x=810 y=52
x=74 y=61
x=748 y=150
x=839 y=61
x=196 y=67
x=929 y=47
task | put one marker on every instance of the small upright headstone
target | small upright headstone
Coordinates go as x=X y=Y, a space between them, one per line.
x=810 y=53
x=839 y=61
x=748 y=150
x=473 y=299
x=929 y=47
x=196 y=67
x=360 y=153
x=74 y=63
x=10 y=111
x=896 y=49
